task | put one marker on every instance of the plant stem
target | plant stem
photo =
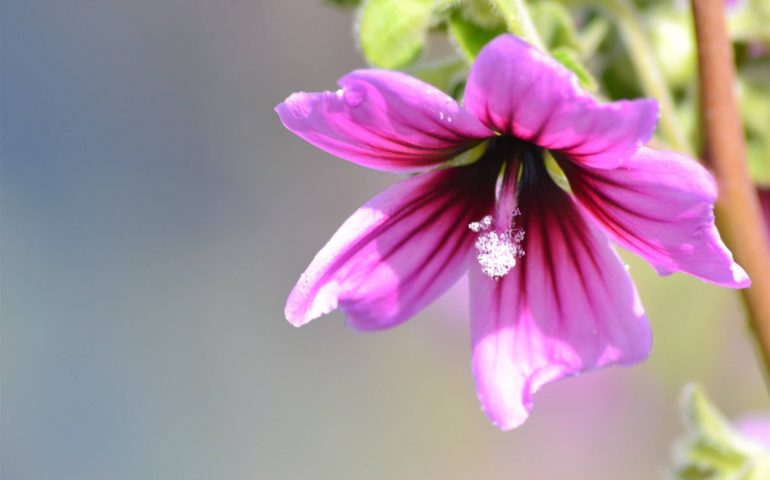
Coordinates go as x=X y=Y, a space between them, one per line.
x=518 y=21
x=650 y=76
x=738 y=213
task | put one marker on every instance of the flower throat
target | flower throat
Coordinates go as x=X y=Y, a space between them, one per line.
x=499 y=244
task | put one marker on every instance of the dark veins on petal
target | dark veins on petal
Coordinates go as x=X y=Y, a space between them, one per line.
x=461 y=194
x=464 y=193
x=591 y=187
x=553 y=226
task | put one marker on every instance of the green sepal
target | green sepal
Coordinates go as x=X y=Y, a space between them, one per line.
x=713 y=450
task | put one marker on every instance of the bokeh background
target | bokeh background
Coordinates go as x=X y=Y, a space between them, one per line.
x=155 y=215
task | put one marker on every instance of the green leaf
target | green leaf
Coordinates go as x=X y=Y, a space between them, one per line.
x=392 y=33
x=470 y=37
x=569 y=58
x=713 y=449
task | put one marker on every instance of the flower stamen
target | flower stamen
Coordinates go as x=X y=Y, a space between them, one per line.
x=497 y=251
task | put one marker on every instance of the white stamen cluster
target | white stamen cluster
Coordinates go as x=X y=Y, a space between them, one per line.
x=497 y=251
x=482 y=225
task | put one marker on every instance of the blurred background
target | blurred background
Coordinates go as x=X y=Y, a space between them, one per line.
x=155 y=215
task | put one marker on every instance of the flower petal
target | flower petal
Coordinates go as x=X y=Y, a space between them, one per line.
x=383 y=120
x=517 y=89
x=569 y=306
x=398 y=252
x=660 y=206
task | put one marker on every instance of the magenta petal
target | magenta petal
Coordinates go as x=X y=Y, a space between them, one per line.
x=660 y=206
x=398 y=252
x=567 y=308
x=383 y=120
x=517 y=89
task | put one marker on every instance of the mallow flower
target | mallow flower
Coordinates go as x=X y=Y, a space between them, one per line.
x=524 y=187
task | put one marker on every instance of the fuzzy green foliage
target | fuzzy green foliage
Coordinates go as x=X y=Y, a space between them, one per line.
x=392 y=33
x=713 y=450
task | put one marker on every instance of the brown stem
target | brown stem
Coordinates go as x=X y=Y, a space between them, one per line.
x=738 y=212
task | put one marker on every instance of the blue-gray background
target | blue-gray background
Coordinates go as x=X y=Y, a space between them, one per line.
x=154 y=216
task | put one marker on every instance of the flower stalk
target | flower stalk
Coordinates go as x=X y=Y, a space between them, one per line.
x=738 y=213
x=519 y=21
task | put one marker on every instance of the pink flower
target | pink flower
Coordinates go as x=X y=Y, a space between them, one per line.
x=550 y=297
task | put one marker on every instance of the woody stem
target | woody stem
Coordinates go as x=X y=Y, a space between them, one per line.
x=738 y=213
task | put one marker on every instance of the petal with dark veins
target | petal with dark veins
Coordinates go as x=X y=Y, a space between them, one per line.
x=516 y=89
x=568 y=307
x=659 y=205
x=398 y=252
x=383 y=120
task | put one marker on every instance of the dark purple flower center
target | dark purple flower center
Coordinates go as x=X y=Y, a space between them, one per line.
x=524 y=159
x=525 y=193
